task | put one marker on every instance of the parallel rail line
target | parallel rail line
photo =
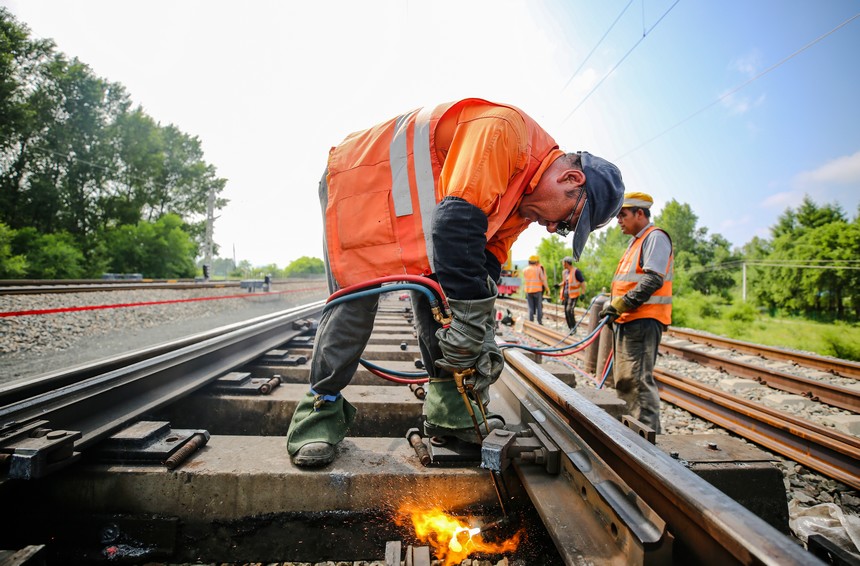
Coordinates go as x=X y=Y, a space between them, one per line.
x=825 y=450
x=843 y=368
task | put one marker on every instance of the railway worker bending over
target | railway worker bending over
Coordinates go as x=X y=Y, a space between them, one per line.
x=440 y=192
x=641 y=308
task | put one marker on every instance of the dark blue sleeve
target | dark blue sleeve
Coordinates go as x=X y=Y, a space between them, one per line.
x=459 y=250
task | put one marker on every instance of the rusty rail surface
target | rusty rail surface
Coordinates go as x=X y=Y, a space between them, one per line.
x=828 y=393
x=824 y=450
x=837 y=396
x=842 y=368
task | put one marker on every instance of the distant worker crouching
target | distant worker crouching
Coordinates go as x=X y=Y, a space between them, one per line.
x=641 y=308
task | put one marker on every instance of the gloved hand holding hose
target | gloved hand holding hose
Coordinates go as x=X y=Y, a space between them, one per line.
x=468 y=342
x=614 y=309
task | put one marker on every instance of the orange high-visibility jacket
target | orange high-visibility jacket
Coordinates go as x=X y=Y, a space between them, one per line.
x=533 y=279
x=629 y=272
x=574 y=285
x=385 y=182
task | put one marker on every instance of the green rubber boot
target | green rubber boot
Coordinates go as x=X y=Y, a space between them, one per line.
x=326 y=422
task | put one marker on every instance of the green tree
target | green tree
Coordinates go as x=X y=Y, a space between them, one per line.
x=11 y=266
x=551 y=252
x=75 y=158
x=800 y=275
x=304 y=266
x=50 y=256
x=160 y=249
x=702 y=263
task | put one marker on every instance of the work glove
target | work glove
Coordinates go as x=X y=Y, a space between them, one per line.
x=614 y=309
x=469 y=341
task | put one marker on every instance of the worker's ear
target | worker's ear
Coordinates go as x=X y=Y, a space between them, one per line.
x=572 y=176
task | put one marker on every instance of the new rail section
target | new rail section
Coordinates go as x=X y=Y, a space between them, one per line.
x=81 y=453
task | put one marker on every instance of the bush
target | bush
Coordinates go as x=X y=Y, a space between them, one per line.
x=690 y=308
x=839 y=344
x=742 y=312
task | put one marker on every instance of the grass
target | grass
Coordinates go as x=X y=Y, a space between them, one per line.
x=743 y=322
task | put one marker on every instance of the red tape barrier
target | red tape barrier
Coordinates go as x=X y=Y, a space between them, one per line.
x=148 y=303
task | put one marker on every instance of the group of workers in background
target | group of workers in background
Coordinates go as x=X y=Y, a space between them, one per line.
x=536 y=289
x=439 y=194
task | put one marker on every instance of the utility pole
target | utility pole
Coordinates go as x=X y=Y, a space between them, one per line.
x=210 y=221
x=744 y=292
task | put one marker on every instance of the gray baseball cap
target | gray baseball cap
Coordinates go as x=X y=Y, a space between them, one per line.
x=604 y=192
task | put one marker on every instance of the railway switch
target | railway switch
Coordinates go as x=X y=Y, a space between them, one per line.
x=501 y=447
x=33 y=450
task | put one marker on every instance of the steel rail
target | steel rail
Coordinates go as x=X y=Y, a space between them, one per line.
x=824 y=450
x=838 y=367
x=44 y=287
x=828 y=393
x=843 y=368
x=834 y=395
x=100 y=405
x=710 y=526
x=55 y=286
x=27 y=387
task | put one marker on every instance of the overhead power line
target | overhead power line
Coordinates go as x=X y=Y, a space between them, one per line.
x=606 y=76
x=593 y=49
x=739 y=87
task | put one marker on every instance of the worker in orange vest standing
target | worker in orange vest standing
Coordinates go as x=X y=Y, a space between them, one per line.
x=571 y=287
x=439 y=192
x=640 y=308
x=534 y=285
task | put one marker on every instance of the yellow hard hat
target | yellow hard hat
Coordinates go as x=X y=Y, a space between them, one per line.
x=534 y=259
x=639 y=200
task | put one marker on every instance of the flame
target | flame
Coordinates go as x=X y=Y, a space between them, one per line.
x=452 y=539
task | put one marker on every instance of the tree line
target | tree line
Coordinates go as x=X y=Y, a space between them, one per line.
x=810 y=264
x=89 y=183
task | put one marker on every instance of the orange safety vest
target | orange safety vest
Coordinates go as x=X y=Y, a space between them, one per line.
x=383 y=186
x=574 y=285
x=629 y=272
x=532 y=280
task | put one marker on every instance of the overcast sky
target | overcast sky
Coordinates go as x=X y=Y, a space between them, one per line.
x=722 y=105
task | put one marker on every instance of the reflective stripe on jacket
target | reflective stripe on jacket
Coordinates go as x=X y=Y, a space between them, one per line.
x=384 y=184
x=629 y=272
x=532 y=279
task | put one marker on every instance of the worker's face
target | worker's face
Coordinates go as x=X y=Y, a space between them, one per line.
x=631 y=223
x=558 y=199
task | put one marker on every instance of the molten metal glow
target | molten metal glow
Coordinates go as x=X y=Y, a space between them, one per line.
x=453 y=540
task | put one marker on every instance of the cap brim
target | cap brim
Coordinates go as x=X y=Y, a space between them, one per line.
x=583 y=229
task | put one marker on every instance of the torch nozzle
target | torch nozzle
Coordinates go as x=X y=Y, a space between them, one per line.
x=497 y=524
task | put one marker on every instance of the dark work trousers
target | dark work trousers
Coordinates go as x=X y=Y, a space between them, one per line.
x=570 y=311
x=636 y=344
x=535 y=301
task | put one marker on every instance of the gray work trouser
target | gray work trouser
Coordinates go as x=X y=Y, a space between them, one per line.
x=535 y=302
x=636 y=344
